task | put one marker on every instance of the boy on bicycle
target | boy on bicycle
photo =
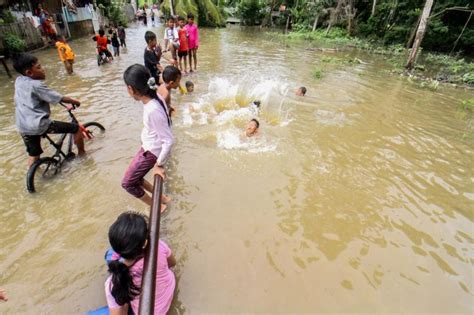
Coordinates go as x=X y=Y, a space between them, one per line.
x=32 y=99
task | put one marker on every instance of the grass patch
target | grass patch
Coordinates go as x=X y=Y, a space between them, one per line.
x=318 y=74
x=430 y=66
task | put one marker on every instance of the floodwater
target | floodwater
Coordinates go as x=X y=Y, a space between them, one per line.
x=357 y=198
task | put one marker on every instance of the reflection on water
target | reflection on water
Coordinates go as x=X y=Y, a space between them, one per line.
x=356 y=198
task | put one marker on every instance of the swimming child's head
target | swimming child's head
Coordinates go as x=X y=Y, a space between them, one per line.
x=172 y=77
x=252 y=127
x=189 y=86
x=150 y=38
x=170 y=22
x=301 y=91
x=180 y=21
x=28 y=65
x=190 y=18
x=139 y=82
x=256 y=103
x=128 y=238
x=101 y=32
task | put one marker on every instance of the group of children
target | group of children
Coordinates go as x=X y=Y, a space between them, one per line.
x=182 y=40
x=128 y=235
x=151 y=85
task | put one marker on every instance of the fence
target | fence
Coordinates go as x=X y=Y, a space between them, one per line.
x=25 y=30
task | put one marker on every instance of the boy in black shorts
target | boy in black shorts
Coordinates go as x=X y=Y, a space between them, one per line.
x=32 y=99
x=152 y=56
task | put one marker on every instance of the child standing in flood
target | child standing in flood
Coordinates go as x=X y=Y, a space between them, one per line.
x=183 y=45
x=193 y=41
x=65 y=54
x=157 y=138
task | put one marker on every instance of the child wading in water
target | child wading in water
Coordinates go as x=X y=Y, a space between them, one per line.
x=65 y=54
x=32 y=99
x=152 y=56
x=157 y=138
x=193 y=41
x=171 y=80
x=183 y=45
x=128 y=238
x=115 y=42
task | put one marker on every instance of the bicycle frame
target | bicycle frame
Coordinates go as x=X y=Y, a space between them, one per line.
x=60 y=154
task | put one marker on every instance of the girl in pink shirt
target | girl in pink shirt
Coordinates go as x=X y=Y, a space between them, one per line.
x=193 y=41
x=128 y=238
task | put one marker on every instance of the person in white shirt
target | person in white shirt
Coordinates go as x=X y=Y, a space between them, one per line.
x=171 y=37
x=157 y=138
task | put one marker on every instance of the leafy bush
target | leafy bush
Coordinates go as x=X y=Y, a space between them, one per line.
x=250 y=11
x=13 y=43
x=7 y=17
x=117 y=16
x=468 y=78
x=318 y=74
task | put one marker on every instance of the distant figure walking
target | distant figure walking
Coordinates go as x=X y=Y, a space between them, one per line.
x=122 y=35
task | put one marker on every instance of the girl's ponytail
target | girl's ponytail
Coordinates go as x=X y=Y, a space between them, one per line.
x=123 y=288
x=127 y=235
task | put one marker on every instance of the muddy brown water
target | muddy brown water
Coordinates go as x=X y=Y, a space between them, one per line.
x=356 y=198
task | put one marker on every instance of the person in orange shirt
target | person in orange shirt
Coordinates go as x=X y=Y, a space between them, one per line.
x=65 y=53
x=102 y=42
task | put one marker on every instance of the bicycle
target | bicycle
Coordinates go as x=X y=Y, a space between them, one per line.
x=47 y=167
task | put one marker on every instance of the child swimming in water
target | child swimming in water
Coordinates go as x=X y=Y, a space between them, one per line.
x=156 y=137
x=189 y=86
x=128 y=238
x=252 y=128
x=301 y=91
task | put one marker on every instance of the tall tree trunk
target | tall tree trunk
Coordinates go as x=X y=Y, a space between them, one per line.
x=315 y=22
x=413 y=33
x=374 y=3
x=287 y=27
x=334 y=15
x=420 y=33
x=171 y=8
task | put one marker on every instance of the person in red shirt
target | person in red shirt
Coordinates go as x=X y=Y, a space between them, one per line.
x=183 y=45
x=102 y=42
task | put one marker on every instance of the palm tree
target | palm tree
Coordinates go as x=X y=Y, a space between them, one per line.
x=212 y=9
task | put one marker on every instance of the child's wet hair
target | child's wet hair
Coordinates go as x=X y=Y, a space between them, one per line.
x=256 y=122
x=180 y=18
x=127 y=236
x=137 y=77
x=149 y=36
x=23 y=62
x=257 y=103
x=190 y=16
x=189 y=84
x=171 y=18
x=303 y=90
x=101 y=32
x=171 y=73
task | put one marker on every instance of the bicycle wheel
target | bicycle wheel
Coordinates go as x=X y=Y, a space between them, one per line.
x=40 y=172
x=94 y=129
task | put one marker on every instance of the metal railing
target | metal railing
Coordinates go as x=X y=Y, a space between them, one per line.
x=148 y=286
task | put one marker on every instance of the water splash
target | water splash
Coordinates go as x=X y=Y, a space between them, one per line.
x=227 y=107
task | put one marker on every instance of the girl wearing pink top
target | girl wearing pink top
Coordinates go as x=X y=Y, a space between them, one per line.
x=128 y=238
x=193 y=41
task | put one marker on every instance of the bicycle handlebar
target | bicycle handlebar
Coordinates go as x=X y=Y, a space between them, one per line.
x=65 y=106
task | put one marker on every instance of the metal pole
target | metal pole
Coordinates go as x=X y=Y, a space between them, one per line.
x=147 y=296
